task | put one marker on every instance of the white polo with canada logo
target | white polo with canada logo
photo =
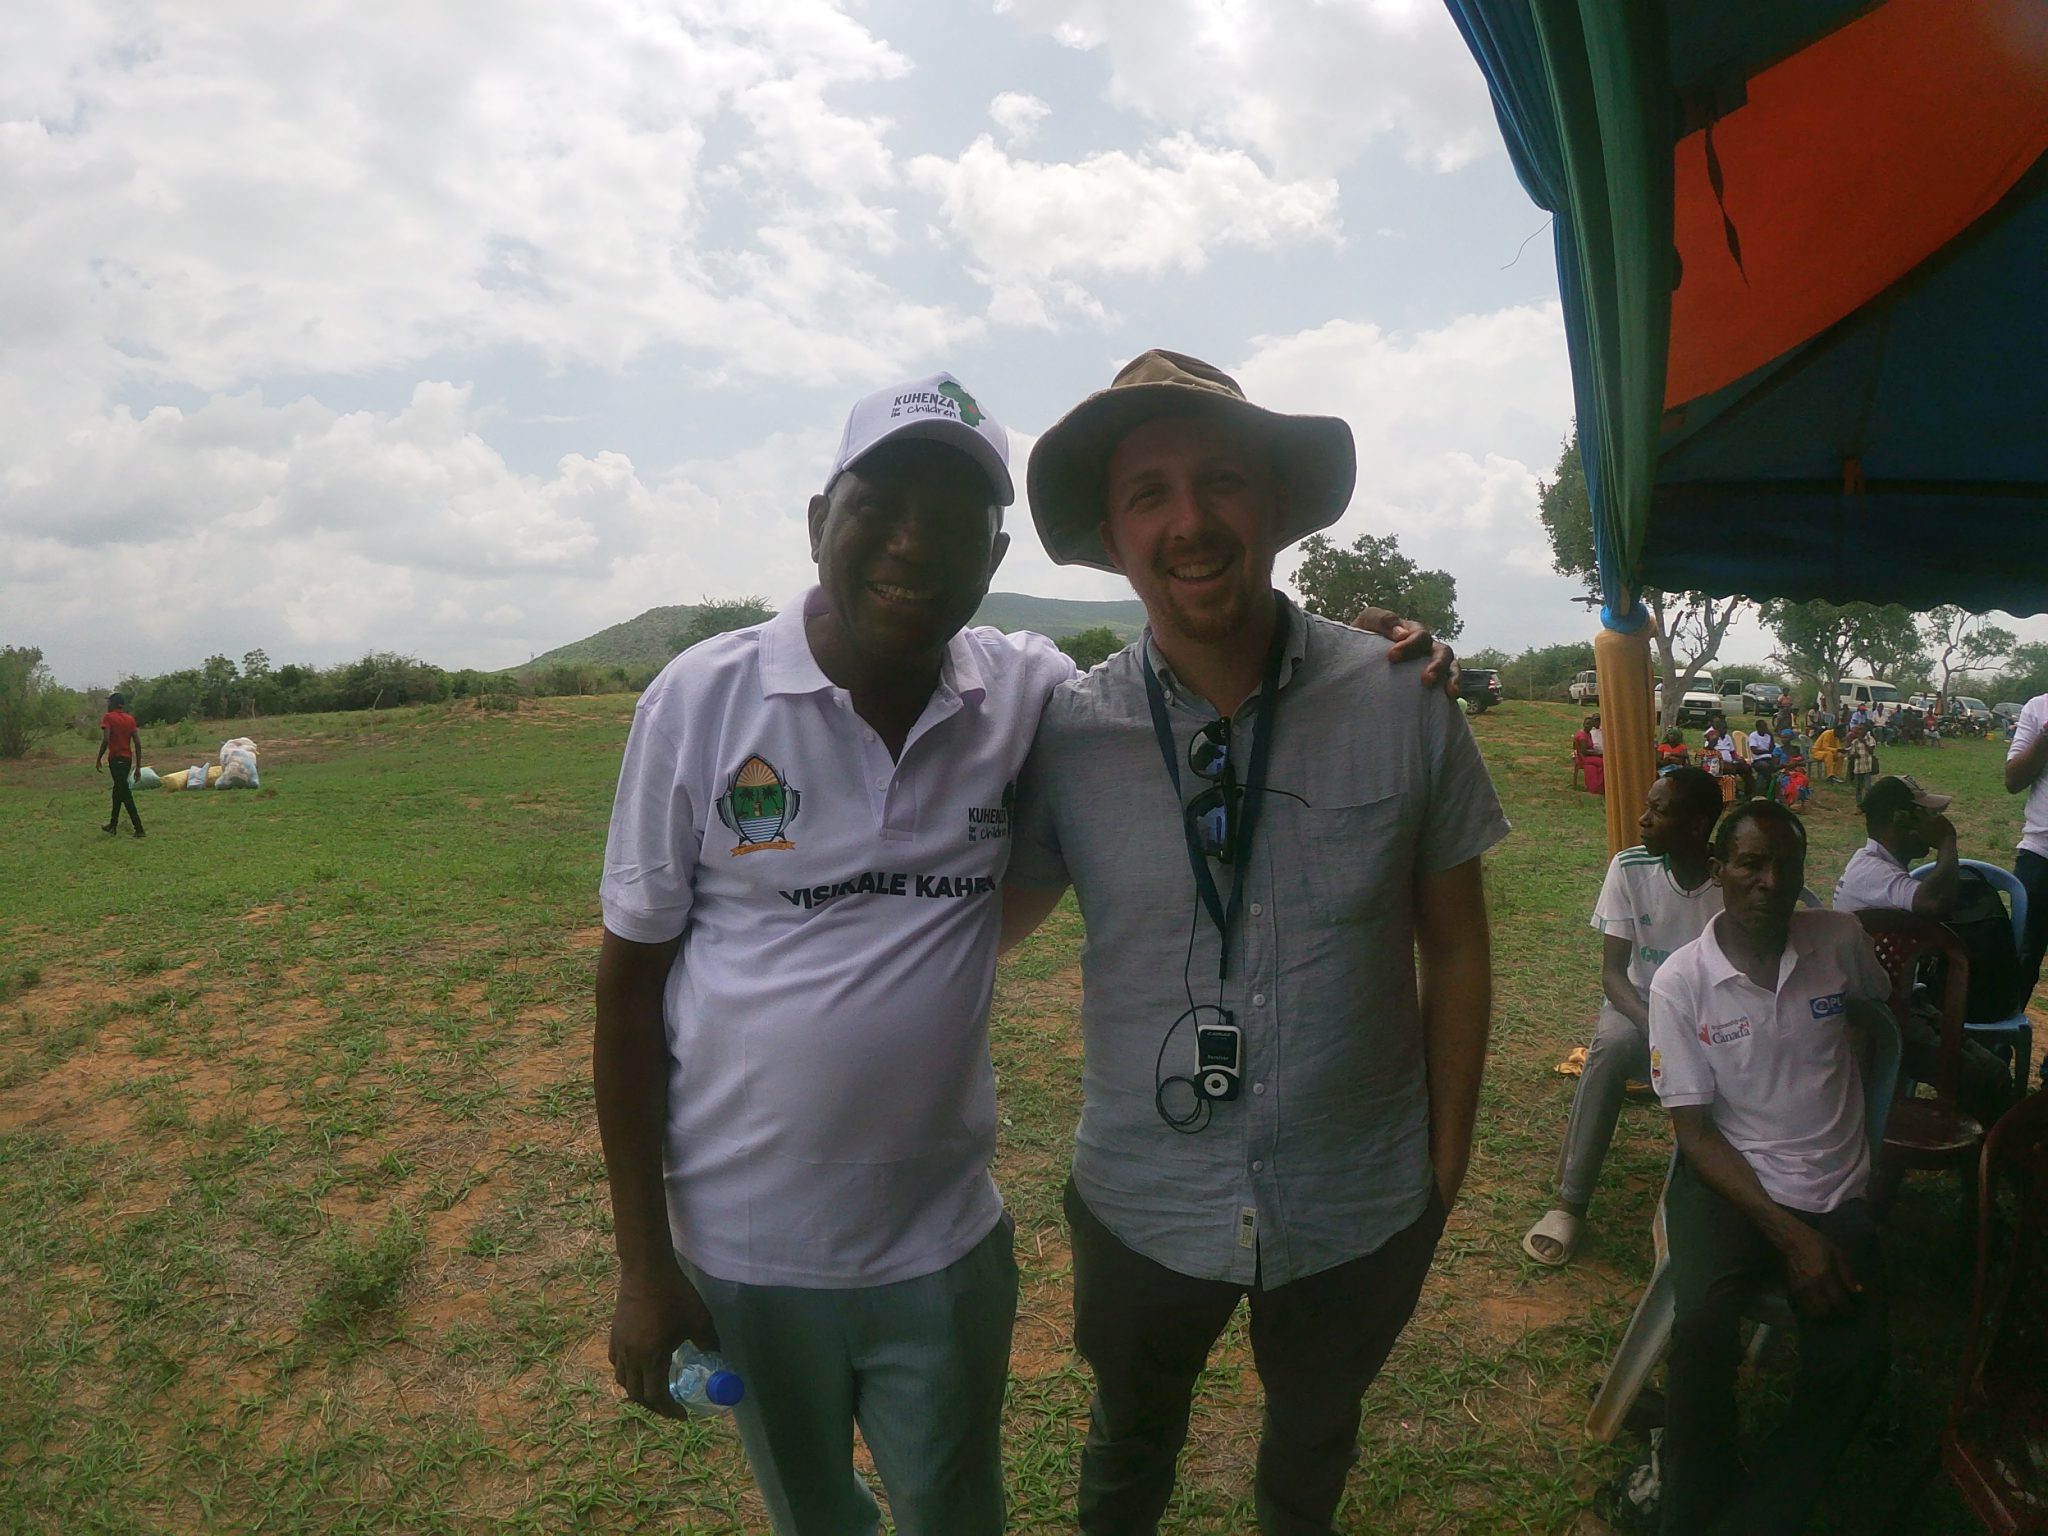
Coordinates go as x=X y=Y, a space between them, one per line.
x=831 y=1108
x=1778 y=1066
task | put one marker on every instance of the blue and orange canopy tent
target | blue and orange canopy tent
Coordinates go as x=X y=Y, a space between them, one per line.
x=1803 y=256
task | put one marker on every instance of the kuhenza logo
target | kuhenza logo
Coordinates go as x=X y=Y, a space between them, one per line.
x=1827 y=1007
x=946 y=400
x=985 y=823
x=1726 y=1032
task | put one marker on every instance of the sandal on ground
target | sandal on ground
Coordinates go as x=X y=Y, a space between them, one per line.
x=1563 y=1229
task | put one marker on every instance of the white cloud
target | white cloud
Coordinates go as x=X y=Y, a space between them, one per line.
x=206 y=194
x=1454 y=427
x=1018 y=115
x=317 y=534
x=1032 y=228
x=1309 y=86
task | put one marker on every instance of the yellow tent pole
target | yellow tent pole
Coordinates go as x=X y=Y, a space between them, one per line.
x=1628 y=729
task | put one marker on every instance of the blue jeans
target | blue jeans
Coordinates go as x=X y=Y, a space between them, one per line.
x=919 y=1365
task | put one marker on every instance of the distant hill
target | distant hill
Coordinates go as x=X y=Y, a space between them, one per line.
x=635 y=644
x=643 y=642
x=1059 y=616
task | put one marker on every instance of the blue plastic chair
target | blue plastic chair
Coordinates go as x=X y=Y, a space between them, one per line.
x=1649 y=1331
x=2015 y=1034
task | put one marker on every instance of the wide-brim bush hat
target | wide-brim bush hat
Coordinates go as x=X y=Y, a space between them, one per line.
x=1313 y=455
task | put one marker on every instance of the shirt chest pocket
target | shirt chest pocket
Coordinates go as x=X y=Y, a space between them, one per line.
x=1345 y=861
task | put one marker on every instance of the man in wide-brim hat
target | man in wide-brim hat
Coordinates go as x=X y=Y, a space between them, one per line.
x=1264 y=823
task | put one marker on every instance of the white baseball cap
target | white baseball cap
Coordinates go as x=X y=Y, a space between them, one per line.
x=939 y=408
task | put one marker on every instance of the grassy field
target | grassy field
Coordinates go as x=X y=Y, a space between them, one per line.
x=304 y=1225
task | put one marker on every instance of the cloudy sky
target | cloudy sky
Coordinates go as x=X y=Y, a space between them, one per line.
x=465 y=328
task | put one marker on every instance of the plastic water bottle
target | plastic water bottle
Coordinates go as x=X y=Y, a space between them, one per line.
x=701 y=1383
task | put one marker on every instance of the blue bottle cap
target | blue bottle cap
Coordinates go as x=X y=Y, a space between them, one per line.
x=724 y=1388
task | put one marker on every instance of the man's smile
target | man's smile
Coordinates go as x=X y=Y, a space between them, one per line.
x=890 y=592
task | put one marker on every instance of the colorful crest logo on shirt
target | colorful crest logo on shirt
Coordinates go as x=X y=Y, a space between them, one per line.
x=759 y=805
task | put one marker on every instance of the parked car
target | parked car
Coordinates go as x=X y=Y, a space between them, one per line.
x=1585 y=688
x=1698 y=703
x=2007 y=711
x=1922 y=702
x=1976 y=709
x=1479 y=687
x=1761 y=698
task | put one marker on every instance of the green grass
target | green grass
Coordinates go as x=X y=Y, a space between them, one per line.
x=305 y=1229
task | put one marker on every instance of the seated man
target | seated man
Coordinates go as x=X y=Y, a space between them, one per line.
x=1586 y=753
x=1827 y=754
x=1763 y=759
x=1904 y=822
x=1752 y=1052
x=1657 y=898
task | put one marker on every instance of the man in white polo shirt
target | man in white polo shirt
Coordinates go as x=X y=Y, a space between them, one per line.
x=1905 y=822
x=791 y=1061
x=1752 y=1051
x=2026 y=772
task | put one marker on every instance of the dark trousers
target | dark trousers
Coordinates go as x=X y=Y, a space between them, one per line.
x=2032 y=870
x=1146 y=1331
x=1984 y=1084
x=1718 y=1257
x=117 y=769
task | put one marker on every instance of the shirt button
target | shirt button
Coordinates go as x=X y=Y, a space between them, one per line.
x=1257 y=909
x=1256 y=1166
x=881 y=783
x=869 y=734
x=1258 y=999
x=1258 y=1087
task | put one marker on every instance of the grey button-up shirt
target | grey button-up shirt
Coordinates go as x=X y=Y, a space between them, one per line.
x=1325 y=1154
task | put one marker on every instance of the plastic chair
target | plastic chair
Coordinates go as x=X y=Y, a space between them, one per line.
x=1992 y=1444
x=2015 y=1034
x=1927 y=1133
x=1649 y=1330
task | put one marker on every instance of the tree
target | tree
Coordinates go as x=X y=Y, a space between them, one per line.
x=1336 y=583
x=2025 y=674
x=217 y=687
x=1688 y=627
x=1886 y=640
x=717 y=618
x=1817 y=641
x=32 y=706
x=1962 y=642
x=1092 y=647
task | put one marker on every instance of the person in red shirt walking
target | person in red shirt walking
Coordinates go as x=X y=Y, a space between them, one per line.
x=120 y=746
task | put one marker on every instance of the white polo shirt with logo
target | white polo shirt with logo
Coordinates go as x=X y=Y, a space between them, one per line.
x=831 y=1108
x=2032 y=722
x=1779 y=1067
x=1641 y=902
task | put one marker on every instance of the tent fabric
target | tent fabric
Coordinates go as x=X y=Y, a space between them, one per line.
x=1572 y=81
x=1800 y=254
x=1909 y=125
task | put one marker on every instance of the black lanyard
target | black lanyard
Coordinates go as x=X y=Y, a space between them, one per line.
x=1245 y=815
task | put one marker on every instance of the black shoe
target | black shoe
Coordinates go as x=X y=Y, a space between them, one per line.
x=111 y=828
x=138 y=831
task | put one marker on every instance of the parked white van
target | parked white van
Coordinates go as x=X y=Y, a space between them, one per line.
x=1871 y=693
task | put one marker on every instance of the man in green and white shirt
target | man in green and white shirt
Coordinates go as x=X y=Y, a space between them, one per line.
x=1657 y=898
